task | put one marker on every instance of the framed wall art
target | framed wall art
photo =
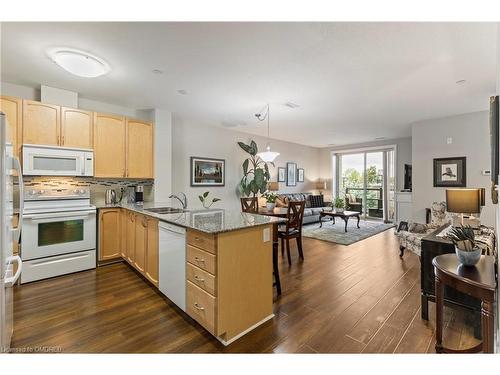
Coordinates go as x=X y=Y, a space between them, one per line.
x=450 y=172
x=281 y=174
x=291 y=174
x=207 y=171
x=300 y=175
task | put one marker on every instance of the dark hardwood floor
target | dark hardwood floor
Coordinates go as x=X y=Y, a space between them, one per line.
x=341 y=299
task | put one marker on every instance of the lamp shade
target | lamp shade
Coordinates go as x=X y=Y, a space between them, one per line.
x=273 y=186
x=464 y=200
x=321 y=185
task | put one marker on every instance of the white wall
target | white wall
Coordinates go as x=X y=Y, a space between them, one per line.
x=163 y=155
x=403 y=155
x=470 y=134
x=192 y=138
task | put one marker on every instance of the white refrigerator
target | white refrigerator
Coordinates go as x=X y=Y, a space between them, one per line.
x=10 y=170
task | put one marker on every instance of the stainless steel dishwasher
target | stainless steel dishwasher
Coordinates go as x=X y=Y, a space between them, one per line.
x=172 y=259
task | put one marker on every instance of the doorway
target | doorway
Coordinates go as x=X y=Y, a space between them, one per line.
x=366 y=182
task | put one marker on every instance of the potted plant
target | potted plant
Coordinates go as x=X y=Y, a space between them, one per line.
x=255 y=172
x=339 y=204
x=205 y=201
x=270 y=200
x=465 y=246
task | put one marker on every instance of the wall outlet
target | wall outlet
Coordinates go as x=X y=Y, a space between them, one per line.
x=266 y=235
x=486 y=172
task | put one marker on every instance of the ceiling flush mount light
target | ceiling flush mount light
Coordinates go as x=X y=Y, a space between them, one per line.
x=79 y=63
x=268 y=156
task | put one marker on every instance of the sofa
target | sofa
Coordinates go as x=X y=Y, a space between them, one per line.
x=311 y=212
x=410 y=237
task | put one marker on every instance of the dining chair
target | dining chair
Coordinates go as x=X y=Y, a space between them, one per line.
x=293 y=228
x=250 y=205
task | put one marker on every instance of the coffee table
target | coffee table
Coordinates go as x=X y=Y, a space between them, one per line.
x=344 y=215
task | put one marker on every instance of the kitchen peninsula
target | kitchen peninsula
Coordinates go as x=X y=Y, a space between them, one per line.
x=216 y=265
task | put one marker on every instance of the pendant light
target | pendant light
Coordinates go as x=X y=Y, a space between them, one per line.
x=268 y=156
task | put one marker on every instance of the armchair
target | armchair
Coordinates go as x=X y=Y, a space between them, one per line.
x=352 y=203
x=411 y=237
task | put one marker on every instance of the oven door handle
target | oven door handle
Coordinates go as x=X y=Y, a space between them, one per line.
x=35 y=217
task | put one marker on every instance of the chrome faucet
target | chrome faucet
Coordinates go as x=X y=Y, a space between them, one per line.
x=183 y=200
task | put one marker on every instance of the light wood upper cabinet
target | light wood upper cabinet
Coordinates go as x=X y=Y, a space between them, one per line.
x=152 y=259
x=139 y=149
x=41 y=123
x=12 y=107
x=109 y=145
x=109 y=233
x=76 y=128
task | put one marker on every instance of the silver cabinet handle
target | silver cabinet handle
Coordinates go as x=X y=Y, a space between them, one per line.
x=197 y=239
x=198 y=306
x=200 y=260
x=199 y=278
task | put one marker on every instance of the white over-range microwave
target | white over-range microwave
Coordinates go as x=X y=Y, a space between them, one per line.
x=57 y=161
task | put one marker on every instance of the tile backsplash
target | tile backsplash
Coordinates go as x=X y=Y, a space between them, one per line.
x=98 y=186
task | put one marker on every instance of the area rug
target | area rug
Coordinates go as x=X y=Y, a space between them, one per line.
x=335 y=233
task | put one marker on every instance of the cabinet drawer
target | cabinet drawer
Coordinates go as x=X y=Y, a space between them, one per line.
x=201 y=306
x=201 y=278
x=200 y=258
x=202 y=240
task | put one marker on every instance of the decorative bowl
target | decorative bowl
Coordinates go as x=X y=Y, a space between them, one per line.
x=270 y=206
x=468 y=258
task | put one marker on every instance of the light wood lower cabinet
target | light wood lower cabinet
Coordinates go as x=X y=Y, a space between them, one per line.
x=109 y=234
x=152 y=255
x=132 y=237
x=141 y=242
x=229 y=280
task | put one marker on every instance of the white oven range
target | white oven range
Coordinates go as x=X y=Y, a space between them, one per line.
x=59 y=232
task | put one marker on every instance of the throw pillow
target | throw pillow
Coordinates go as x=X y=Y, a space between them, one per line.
x=417 y=228
x=317 y=201
x=281 y=202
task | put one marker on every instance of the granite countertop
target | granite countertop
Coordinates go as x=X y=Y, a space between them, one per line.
x=211 y=221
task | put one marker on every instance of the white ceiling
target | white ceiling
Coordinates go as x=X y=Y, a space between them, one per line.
x=354 y=82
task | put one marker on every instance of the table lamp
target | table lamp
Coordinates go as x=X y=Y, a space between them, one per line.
x=273 y=186
x=465 y=202
x=321 y=185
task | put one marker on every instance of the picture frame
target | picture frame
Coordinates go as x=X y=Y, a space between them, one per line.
x=300 y=175
x=207 y=172
x=291 y=174
x=450 y=172
x=281 y=174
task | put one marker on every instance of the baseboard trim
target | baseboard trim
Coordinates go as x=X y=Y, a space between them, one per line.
x=226 y=343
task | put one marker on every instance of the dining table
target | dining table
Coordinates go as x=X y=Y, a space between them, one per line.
x=276 y=212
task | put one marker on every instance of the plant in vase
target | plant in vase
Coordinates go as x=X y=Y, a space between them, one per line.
x=339 y=204
x=465 y=245
x=205 y=201
x=255 y=172
x=270 y=200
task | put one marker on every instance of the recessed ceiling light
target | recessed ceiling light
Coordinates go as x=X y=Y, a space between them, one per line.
x=379 y=138
x=182 y=92
x=79 y=63
x=292 y=105
x=460 y=82
x=157 y=71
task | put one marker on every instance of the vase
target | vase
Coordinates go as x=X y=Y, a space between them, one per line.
x=270 y=206
x=468 y=258
x=339 y=210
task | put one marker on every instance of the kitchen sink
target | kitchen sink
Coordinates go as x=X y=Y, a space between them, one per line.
x=165 y=210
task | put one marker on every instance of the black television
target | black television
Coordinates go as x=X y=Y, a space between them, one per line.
x=407 y=177
x=494 y=134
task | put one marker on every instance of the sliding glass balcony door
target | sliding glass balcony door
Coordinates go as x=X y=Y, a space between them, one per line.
x=366 y=182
